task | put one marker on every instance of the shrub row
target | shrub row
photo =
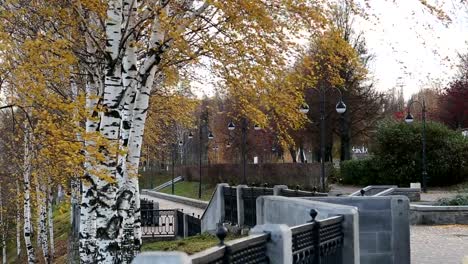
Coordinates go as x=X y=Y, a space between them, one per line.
x=397 y=157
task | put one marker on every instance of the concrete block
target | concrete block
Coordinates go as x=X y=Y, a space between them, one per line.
x=295 y=211
x=380 y=214
x=162 y=257
x=368 y=242
x=277 y=189
x=279 y=248
x=384 y=242
x=378 y=259
x=214 y=212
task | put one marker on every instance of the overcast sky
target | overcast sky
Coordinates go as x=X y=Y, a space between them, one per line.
x=414 y=49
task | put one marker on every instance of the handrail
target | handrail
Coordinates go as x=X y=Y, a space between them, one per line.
x=209 y=255
x=330 y=221
x=245 y=242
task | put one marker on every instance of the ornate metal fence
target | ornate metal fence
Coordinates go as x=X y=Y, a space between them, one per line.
x=230 y=205
x=193 y=225
x=158 y=223
x=249 y=196
x=318 y=242
x=251 y=249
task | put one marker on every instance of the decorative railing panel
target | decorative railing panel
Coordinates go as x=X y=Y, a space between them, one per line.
x=194 y=225
x=318 y=242
x=249 y=196
x=180 y=223
x=230 y=205
x=251 y=249
x=331 y=240
x=158 y=223
x=214 y=255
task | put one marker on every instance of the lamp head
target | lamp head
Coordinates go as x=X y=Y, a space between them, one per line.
x=210 y=136
x=304 y=108
x=340 y=107
x=231 y=126
x=409 y=118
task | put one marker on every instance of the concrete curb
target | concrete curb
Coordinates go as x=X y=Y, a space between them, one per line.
x=438 y=215
x=175 y=198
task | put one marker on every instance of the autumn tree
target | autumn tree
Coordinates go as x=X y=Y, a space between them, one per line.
x=140 y=47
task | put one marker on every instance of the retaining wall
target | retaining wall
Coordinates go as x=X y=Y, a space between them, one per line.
x=438 y=215
x=384 y=235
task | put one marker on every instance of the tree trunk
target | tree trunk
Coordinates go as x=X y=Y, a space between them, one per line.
x=2 y=229
x=18 y=222
x=27 y=230
x=292 y=151
x=50 y=218
x=42 y=220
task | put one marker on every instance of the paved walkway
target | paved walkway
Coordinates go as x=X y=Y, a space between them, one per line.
x=439 y=244
x=165 y=204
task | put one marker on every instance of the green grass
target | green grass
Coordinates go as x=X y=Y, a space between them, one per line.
x=151 y=178
x=188 y=245
x=190 y=190
x=62 y=229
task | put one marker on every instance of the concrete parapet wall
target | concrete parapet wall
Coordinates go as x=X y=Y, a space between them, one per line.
x=176 y=198
x=383 y=227
x=438 y=215
x=214 y=212
x=295 y=211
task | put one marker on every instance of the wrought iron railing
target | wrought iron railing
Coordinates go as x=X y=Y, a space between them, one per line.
x=249 y=196
x=158 y=223
x=193 y=225
x=251 y=249
x=230 y=205
x=318 y=242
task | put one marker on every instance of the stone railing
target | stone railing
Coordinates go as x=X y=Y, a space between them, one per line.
x=438 y=215
x=319 y=241
x=413 y=194
x=236 y=205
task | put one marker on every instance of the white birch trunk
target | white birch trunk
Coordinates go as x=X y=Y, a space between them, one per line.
x=87 y=226
x=42 y=220
x=50 y=218
x=108 y=222
x=18 y=222
x=27 y=230
x=3 y=229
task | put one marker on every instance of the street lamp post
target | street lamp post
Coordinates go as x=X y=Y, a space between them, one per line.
x=244 y=127
x=409 y=119
x=200 y=154
x=340 y=109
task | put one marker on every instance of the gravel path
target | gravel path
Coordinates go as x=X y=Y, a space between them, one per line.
x=439 y=244
x=165 y=204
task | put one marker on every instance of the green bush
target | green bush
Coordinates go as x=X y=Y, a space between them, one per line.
x=460 y=199
x=359 y=172
x=397 y=156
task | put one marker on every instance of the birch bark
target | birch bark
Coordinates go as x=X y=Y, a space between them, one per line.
x=18 y=222
x=2 y=228
x=27 y=232
x=42 y=220
x=50 y=218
